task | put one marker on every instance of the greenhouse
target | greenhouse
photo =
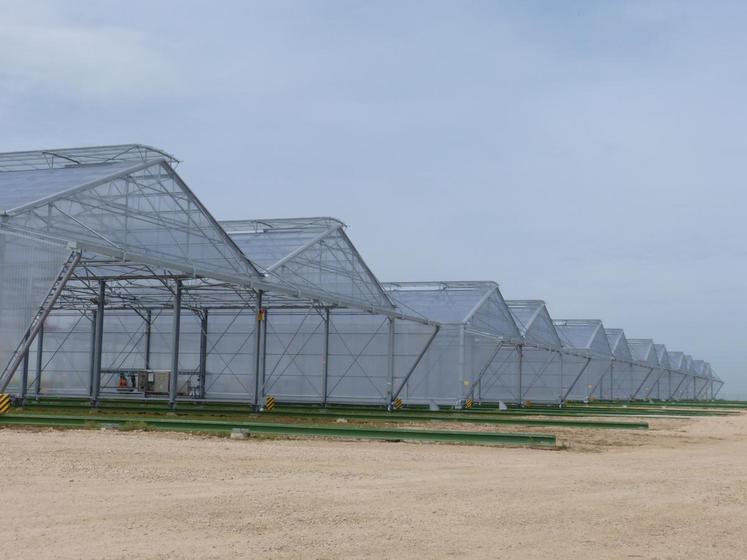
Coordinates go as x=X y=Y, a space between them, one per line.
x=541 y=354
x=592 y=358
x=662 y=388
x=116 y=281
x=644 y=371
x=475 y=355
x=618 y=383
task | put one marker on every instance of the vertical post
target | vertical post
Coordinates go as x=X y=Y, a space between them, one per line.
x=174 y=377
x=258 y=382
x=560 y=395
x=92 y=357
x=148 y=333
x=25 y=373
x=460 y=364
x=39 y=361
x=612 y=380
x=521 y=374
x=390 y=365
x=325 y=371
x=98 y=349
x=203 y=353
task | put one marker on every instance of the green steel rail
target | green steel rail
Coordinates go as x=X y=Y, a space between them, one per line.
x=306 y=430
x=570 y=411
x=332 y=413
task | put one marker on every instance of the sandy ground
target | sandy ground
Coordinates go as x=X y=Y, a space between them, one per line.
x=677 y=491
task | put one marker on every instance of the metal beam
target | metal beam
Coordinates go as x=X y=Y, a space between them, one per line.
x=325 y=371
x=174 y=377
x=203 y=353
x=390 y=365
x=480 y=375
x=39 y=363
x=67 y=271
x=148 y=333
x=635 y=394
x=580 y=373
x=24 y=375
x=258 y=383
x=99 y=347
x=415 y=364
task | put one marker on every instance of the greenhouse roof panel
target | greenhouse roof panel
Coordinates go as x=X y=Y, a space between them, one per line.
x=477 y=305
x=20 y=188
x=662 y=355
x=534 y=322
x=309 y=253
x=643 y=351
x=618 y=344
x=584 y=334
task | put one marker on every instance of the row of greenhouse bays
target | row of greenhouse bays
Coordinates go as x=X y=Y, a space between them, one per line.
x=355 y=367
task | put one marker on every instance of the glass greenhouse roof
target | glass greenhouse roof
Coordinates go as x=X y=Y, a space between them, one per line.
x=534 y=322
x=477 y=305
x=584 y=334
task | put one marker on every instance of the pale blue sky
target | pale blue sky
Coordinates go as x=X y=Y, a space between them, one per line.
x=591 y=154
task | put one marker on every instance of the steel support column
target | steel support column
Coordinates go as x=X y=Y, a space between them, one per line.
x=258 y=381
x=415 y=364
x=325 y=370
x=203 y=353
x=390 y=365
x=580 y=373
x=650 y=371
x=24 y=375
x=520 y=349
x=174 y=377
x=148 y=333
x=39 y=360
x=92 y=353
x=99 y=346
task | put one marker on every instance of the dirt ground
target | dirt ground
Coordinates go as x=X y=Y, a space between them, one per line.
x=676 y=491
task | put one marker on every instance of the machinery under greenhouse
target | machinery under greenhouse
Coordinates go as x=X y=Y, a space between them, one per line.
x=116 y=281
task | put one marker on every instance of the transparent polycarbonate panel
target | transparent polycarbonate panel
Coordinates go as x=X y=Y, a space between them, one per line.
x=231 y=356
x=332 y=266
x=479 y=305
x=66 y=354
x=662 y=355
x=542 y=331
x=358 y=356
x=620 y=384
x=500 y=380
x=267 y=247
x=18 y=188
x=641 y=380
x=643 y=351
x=524 y=312
x=577 y=334
x=599 y=344
x=147 y=213
x=437 y=302
x=675 y=359
x=441 y=377
x=541 y=379
x=618 y=344
x=67 y=157
x=295 y=355
x=28 y=269
x=493 y=317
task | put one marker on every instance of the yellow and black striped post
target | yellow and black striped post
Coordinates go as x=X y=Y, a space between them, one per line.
x=398 y=404
x=469 y=403
x=269 y=403
x=4 y=403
